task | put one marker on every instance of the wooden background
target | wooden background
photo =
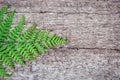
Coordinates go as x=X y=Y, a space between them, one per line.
x=92 y=28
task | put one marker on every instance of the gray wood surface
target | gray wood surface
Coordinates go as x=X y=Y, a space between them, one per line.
x=92 y=28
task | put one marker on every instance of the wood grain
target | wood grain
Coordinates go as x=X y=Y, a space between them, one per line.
x=92 y=28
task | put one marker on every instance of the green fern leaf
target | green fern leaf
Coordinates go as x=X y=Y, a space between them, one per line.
x=26 y=35
x=16 y=46
x=2 y=12
x=3 y=71
x=5 y=26
x=13 y=35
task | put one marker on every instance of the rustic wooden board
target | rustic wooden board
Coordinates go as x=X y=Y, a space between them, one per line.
x=92 y=28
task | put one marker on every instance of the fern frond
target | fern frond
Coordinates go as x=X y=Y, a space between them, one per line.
x=3 y=72
x=26 y=35
x=16 y=46
x=5 y=26
x=14 y=34
x=44 y=41
x=6 y=59
x=30 y=46
x=40 y=48
x=2 y=12
x=22 y=48
x=13 y=53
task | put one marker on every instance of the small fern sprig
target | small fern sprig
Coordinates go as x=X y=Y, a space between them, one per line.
x=16 y=45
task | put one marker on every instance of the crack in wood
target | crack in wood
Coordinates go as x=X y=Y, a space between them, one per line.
x=96 y=48
x=66 y=13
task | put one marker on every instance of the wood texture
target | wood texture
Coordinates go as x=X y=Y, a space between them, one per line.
x=92 y=28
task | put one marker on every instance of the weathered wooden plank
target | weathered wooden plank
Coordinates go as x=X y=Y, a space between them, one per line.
x=92 y=28
x=66 y=6
x=67 y=64
x=52 y=19
x=82 y=30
